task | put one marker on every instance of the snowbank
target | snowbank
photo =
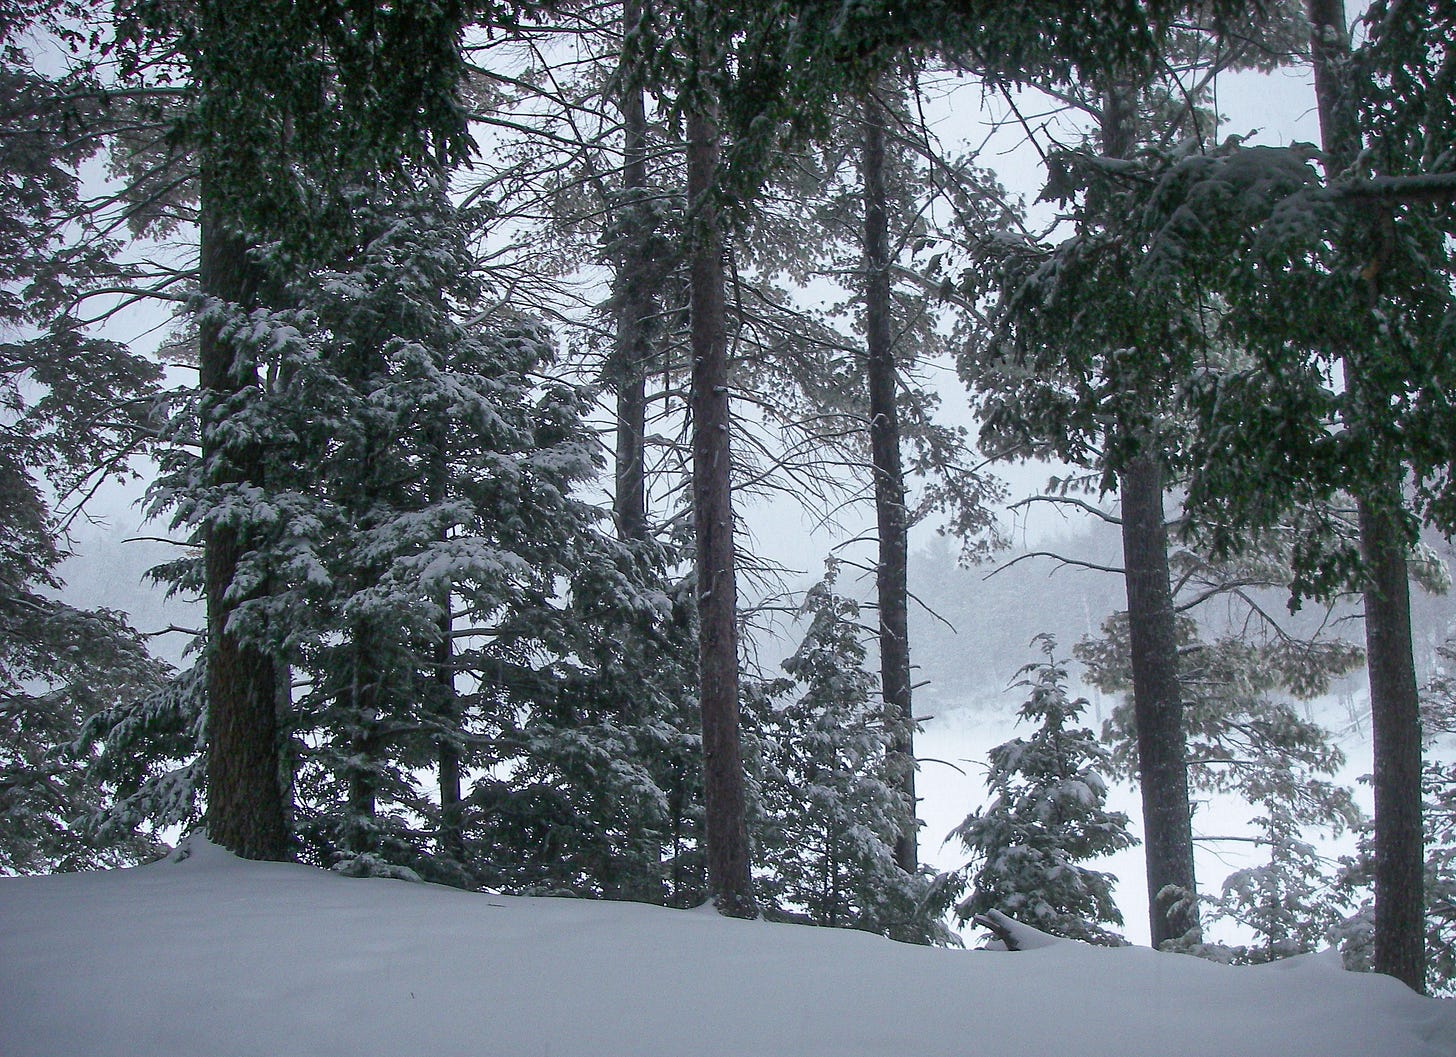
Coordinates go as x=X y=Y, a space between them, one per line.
x=216 y=956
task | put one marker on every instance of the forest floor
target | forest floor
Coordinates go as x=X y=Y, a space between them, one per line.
x=213 y=956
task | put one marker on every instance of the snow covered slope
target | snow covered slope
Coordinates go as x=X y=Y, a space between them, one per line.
x=216 y=956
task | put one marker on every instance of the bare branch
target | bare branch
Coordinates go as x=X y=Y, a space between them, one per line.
x=1067 y=500
x=1062 y=561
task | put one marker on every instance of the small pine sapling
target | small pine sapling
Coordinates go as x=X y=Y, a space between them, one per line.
x=1047 y=816
x=829 y=809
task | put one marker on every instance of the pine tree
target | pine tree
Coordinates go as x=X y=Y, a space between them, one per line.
x=75 y=407
x=1047 y=817
x=287 y=108
x=830 y=807
x=448 y=598
x=1104 y=387
x=1270 y=235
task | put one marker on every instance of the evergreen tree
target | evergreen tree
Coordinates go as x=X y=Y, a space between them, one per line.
x=1052 y=379
x=1091 y=367
x=1270 y=235
x=428 y=490
x=1047 y=816
x=830 y=808
x=287 y=108
x=75 y=407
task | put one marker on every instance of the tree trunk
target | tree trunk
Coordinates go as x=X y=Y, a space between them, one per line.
x=246 y=807
x=447 y=754
x=891 y=571
x=1156 y=689
x=450 y=837
x=634 y=301
x=452 y=810
x=1157 y=704
x=726 y=836
x=1396 y=728
x=361 y=833
x=1394 y=702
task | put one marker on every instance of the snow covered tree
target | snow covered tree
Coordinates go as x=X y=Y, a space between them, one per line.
x=465 y=608
x=1046 y=818
x=1054 y=379
x=73 y=408
x=1245 y=737
x=1291 y=902
x=285 y=108
x=830 y=808
x=1439 y=812
x=754 y=77
x=1092 y=367
x=1366 y=237
x=60 y=667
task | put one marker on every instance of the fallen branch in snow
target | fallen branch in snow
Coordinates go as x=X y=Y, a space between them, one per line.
x=1004 y=934
x=1013 y=934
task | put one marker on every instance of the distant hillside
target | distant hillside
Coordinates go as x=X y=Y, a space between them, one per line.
x=973 y=626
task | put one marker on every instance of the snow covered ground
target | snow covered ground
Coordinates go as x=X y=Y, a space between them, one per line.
x=216 y=956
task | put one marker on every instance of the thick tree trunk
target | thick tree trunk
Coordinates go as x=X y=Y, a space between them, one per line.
x=1396 y=726
x=892 y=590
x=729 y=877
x=1157 y=692
x=246 y=807
x=1394 y=703
x=1157 y=704
x=635 y=302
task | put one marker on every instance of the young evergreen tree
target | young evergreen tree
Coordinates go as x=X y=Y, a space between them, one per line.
x=1046 y=818
x=427 y=495
x=830 y=807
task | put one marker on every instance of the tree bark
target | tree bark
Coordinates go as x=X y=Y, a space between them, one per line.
x=1152 y=627
x=1157 y=704
x=635 y=302
x=892 y=520
x=1396 y=727
x=247 y=810
x=1394 y=701
x=361 y=834
x=726 y=833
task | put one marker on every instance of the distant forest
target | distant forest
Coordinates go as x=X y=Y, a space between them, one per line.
x=972 y=625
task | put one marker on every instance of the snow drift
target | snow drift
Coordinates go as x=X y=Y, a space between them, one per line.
x=212 y=955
